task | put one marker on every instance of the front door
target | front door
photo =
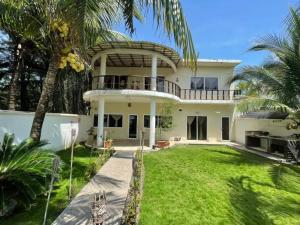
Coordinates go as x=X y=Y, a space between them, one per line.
x=132 y=130
x=225 y=128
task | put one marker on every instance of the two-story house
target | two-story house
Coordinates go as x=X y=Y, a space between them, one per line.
x=133 y=80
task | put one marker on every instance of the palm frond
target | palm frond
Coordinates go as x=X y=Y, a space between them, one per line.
x=255 y=104
x=23 y=171
x=169 y=14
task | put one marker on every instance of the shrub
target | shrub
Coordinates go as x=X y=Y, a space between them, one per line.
x=24 y=170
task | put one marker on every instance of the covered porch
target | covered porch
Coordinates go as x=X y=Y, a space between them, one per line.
x=110 y=86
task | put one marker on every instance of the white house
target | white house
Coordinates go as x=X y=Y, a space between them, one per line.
x=133 y=80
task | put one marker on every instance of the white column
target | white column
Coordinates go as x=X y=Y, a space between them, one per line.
x=153 y=73
x=102 y=70
x=100 y=132
x=152 y=122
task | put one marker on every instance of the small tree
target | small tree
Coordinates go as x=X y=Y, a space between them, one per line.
x=165 y=119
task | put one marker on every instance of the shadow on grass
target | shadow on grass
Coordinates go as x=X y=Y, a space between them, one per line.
x=246 y=202
x=241 y=158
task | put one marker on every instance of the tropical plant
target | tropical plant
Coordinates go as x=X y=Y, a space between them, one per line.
x=277 y=81
x=165 y=118
x=23 y=172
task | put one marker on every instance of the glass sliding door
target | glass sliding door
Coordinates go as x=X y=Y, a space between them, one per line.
x=191 y=128
x=202 y=127
x=197 y=128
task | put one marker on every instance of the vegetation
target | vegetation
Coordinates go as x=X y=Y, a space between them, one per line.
x=275 y=85
x=83 y=157
x=131 y=210
x=166 y=119
x=24 y=169
x=218 y=185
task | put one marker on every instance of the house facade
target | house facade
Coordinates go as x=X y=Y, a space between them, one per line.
x=134 y=82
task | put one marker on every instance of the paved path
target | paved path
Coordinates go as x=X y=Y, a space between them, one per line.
x=114 y=177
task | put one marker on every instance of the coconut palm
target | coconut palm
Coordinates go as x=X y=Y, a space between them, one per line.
x=23 y=172
x=277 y=80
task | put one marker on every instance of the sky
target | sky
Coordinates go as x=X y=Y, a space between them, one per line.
x=225 y=29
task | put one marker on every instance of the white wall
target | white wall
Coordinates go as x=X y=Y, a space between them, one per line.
x=56 y=128
x=275 y=127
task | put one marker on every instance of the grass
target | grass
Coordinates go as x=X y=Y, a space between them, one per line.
x=218 y=185
x=59 y=196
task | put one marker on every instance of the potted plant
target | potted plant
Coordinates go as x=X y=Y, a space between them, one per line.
x=108 y=141
x=165 y=123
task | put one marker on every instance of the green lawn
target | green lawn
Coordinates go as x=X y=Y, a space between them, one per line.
x=218 y=185
x=59 y=197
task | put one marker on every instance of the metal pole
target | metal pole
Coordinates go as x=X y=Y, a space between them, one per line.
x=73 y=133
x=54 y=171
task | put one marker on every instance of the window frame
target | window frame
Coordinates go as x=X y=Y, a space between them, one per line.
x=106 y=125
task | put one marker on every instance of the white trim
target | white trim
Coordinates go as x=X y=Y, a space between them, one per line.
x=229 y=132
x=137 y=126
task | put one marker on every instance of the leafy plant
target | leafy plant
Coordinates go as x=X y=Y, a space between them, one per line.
x=165 y=119
x=24 y=169
x=275 y=85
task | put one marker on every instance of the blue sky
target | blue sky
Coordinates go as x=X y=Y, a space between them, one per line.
x=225 y=29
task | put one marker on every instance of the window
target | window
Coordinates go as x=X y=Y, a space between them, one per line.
x=110 y=120
x=158 y=122
x=204 y=83
x=211 y=83
x=197 y=83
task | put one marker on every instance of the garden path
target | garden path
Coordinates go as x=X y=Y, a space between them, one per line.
x=114 y=177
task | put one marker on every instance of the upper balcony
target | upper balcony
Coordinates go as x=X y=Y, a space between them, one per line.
x=143 y=83
x=115 y=62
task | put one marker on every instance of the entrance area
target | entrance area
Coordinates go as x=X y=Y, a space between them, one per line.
x=132 y=131
x=197 y=128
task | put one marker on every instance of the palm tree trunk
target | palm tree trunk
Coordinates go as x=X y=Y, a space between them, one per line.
x=47 y=93
x=12 y=98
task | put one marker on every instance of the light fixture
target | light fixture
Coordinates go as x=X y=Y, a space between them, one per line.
x=129 y=104
x=218 y=112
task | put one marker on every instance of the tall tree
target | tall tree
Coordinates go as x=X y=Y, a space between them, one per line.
x=21 y=31
x=277 y=81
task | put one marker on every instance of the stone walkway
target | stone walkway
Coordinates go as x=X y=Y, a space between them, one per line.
x=114 y=177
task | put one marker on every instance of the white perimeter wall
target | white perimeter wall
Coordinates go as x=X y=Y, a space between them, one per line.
x=56 y=128
x=275 y=127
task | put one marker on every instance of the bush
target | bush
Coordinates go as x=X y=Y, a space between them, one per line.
x=24 y=170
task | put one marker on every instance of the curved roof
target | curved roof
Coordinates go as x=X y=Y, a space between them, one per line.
x=135 y=60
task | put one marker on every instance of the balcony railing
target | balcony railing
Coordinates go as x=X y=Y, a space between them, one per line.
x=132 y=82
x=193 y=94
x=135 y=82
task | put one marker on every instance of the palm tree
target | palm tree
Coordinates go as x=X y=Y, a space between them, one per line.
x=277 y=81
x=23 y=172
